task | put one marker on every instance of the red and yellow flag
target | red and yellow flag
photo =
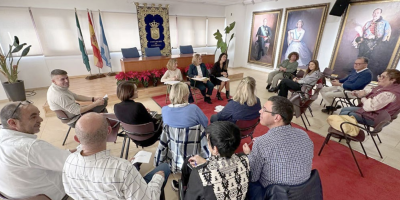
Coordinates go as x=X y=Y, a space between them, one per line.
x=96 y=52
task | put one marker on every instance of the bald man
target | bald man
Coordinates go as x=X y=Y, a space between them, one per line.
x=94 y=173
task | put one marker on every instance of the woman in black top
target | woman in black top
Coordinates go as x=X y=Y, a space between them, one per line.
x=131 y=112
x=219 y=69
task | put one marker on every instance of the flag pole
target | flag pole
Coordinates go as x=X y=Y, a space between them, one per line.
x=111 y=71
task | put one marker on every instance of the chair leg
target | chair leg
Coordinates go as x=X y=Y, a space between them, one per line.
x=309 y=109
x=340 y=140
x=127 y=149
x=65 y=139
x=377 y=135
x=123 y=147
x=365 y=153
x=303 y=122
x=373 y=139
x=321 y=101
x=307 y=119
x=325 y=142
x=352 y=153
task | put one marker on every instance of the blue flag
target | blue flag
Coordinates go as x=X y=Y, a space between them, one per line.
x=105 y=52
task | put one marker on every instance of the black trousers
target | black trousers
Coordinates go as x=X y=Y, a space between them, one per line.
x=205 y=86
x=287 y=84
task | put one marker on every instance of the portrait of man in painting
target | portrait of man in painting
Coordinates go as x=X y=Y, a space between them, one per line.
x=371 y=30
x=263 y=37
x=303 y=30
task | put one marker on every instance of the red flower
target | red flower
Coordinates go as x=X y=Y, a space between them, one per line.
x=209 y=65
x=156 y=73
x=121 y=76
x=187 y=68
x=130 y=75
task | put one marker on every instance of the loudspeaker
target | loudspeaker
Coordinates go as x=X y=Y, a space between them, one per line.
x=339 y=7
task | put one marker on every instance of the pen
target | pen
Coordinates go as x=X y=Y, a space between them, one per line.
x=195 y=164
x=250 y=143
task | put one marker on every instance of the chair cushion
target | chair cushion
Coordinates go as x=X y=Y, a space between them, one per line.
x=152 y=52
x=188 y=49
x=130 y=53
x=338 y=134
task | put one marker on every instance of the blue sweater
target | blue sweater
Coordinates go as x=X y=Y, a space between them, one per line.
x=357 y=81
x=234 y=111
x=183 y=117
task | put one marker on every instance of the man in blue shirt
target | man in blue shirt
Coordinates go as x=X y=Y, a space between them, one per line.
x=358 y=78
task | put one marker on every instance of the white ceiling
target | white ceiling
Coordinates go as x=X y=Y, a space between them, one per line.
x=210 y=2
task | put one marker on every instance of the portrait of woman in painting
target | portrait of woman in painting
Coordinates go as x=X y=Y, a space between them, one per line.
x=295 y=44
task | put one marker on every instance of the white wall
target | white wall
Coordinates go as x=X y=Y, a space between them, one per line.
x=35 y=70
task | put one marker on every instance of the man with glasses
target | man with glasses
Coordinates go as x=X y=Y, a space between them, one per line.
x=28 y=166
x=283 y=155
x=59 y=97
x=358 y=78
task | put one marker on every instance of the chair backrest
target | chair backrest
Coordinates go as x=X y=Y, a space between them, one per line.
x=62 y=116
x=188 y=49
x=247 y=126
x=310 y=190
x=327 y=72
x=152 y=52
x=115 y=124
x=37 y=197
x=300 y=74
x=380 y=121
x=139 y=132
x=394 y=116
x=130 y=52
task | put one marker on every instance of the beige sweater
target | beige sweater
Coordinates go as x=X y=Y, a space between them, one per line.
x=60 y=98
x=169 y=75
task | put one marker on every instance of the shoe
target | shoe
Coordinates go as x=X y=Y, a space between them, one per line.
x=273 y=89
x=208 y=100
x=137 y=165
x=227 y=95
x=175 y=185
x=268 y=86
x=338 y=107
x=219 y=96
x=329 y=109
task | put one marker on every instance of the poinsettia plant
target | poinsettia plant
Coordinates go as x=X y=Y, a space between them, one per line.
x=128 y=76
x=145 y=77
x=156 y=75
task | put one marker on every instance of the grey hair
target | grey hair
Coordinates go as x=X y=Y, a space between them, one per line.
x=98 y=137
x=365 y=59
x=179 y=93
x=7 y=112
x=56 y=72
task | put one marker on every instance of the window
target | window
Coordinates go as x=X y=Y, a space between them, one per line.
x=191 y=31
x=214 y=23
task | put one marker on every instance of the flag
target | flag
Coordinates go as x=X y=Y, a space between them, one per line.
x=82 y=44
x=105 y=52
x=96 y=53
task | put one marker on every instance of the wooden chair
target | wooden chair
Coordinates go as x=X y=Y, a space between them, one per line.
x=64 y=119
x=381 y=121
x=247 y=127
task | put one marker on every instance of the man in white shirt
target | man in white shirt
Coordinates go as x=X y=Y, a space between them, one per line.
x=28 y=166
x=59 y=97
x=92 y=173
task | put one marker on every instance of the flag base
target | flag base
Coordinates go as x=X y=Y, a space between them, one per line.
x=111 y=74
x=91 y=77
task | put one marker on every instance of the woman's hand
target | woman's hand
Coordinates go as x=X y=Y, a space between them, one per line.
x=196 y=160
x=360 y=93
x=295 y=79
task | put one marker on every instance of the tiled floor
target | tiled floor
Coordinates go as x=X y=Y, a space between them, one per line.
x=53 y=131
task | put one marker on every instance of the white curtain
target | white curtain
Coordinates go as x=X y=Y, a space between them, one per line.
x=214 y=23
x=191 y=31
x=173 y=31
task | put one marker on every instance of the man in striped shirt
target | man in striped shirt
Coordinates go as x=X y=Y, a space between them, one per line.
x=283 y=155
x=92 y=173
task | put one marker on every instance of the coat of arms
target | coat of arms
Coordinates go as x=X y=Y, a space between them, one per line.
x=155 y=31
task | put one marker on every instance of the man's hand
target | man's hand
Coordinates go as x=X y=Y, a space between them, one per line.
x=97 y=98
x=99 y=102
x=336 y=83
x=196 y=160
x=246 y=149
x=161 y=173
x=360 y=94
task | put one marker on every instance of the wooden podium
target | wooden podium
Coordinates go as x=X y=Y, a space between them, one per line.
x=159 y=62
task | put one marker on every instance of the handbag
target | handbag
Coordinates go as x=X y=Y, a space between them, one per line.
x=336 y=120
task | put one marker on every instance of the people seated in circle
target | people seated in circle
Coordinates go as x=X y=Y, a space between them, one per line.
x=134 y=113
x=225 y=174
x=384 y=97
x=174 y=74
x=220 y=69
x=286 y=69
x=244 y=105
x=198 y=70
x=281 y=156
x=310 y=78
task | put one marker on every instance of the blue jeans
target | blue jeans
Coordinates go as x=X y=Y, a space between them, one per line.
x=163 y=167
x=256 y=191
x=351 y=111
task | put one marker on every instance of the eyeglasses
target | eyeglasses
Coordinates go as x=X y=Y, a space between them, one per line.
x=273 y=113
x=20 y=103
x=358 y=64
x=381 y=76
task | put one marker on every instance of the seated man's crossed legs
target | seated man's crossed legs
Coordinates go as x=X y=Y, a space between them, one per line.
x=328 y=95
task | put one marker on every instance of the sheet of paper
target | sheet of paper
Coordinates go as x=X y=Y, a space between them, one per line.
x=223 y=78
x=171 y=82
x=142 y=157
x=105 y=96
x=218 y=108
x=199 y=79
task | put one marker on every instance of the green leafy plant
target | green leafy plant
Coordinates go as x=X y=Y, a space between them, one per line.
x=8 y=69
x=222 y=44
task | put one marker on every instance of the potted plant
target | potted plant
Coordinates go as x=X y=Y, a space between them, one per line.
x=14 y=88
x=145 y=77
x=223 y=44
x=156 y=76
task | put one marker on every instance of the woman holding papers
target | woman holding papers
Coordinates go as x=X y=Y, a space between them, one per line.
x=174 y=74
x=244 y=105
x=198 y=74
x=220 y=69
x=131 y=112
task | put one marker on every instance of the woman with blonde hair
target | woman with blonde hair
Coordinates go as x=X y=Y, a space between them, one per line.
x=198 y=70
x=310 y=78
x=188 y=114
x=245 y=105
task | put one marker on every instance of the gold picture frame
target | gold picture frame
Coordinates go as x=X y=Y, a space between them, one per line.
x=312 y=19
x=358 y=14
x=267 y=56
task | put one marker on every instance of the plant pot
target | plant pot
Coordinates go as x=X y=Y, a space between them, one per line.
x=155 y=82
x=145 y=84
x=15 y=91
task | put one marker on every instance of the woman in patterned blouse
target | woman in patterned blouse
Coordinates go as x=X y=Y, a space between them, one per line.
x=225 y=175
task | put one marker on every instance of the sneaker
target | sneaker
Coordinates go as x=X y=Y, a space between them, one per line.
x=175 y=185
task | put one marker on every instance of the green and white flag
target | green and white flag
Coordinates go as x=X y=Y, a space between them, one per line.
x=82 y=45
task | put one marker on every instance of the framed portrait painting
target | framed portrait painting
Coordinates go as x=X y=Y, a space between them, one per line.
x=263 y=37
x=369 y=29
x=303 y=30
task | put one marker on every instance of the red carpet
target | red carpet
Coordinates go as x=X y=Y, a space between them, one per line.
x=338 y=171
